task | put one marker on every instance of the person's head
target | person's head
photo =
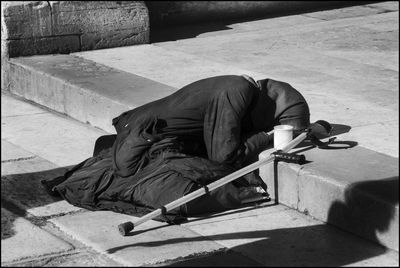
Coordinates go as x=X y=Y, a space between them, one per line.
x=297 y=116
x=279 y=104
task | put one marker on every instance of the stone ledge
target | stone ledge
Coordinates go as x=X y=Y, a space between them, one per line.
x=87 y=91
x=344 y=187
x=354 y=189
x=47 y=27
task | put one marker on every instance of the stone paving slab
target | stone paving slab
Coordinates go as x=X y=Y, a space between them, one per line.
x=14 y=107
x=348 y=12
x=25 y=240
x=20 y=184
x=179 y=68
x=56 y=133
x=11 y=152
x=54 y=209
x=245 y=212
x=276 y=237
x=387 y=6
x=145 y=247
x=25 y=167
x=66 y=142
x=69 y=259
x=219 y=259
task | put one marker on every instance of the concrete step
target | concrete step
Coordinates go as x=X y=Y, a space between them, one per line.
x=355 y=189
x=83 y=89
x=256 y=235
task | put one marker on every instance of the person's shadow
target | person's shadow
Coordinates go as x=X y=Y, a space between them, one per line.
x=364 y=215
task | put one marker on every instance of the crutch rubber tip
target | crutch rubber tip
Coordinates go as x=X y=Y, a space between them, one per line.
x=125 y=228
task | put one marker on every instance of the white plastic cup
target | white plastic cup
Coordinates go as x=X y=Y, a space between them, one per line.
x=283 y=134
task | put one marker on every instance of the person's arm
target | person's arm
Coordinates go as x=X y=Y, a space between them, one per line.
x=253 y=144
x=130 y=145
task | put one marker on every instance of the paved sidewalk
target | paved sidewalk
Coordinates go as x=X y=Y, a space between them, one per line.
x=39 y=230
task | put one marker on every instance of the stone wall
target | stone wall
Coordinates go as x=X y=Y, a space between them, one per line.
x=47 y=27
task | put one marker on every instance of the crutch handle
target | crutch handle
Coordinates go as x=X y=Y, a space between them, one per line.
x=125 y=228
x=290 y=158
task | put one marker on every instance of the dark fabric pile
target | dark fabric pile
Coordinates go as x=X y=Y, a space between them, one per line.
x=177 y=144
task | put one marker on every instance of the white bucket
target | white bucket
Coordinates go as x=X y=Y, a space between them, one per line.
x=283 y=134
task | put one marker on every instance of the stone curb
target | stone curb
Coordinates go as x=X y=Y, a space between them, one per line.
x=80 y=88
x=362 y=200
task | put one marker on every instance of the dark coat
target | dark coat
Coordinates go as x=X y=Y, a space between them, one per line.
x=174 y=145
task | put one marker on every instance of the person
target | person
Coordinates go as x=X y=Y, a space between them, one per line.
x=170 y=147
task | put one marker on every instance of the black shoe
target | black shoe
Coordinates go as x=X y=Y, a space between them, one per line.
x=49 y=186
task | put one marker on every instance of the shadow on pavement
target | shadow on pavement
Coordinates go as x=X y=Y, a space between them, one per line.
x=8 y=216
x=363 y=215
x=318 y=245
x=20 y=192
x=170 y=20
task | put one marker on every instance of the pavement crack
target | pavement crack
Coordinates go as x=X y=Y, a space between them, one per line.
x=18 y=159
x=193 y=256
x=51 y=17
x=16 y=115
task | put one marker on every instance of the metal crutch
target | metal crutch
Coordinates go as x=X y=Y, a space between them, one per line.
x=126 y=227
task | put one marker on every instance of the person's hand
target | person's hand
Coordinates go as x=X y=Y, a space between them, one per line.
x=319 y=131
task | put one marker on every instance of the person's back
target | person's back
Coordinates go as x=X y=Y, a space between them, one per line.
x=183 y=112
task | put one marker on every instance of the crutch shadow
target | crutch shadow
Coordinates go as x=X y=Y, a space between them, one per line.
x=315 y=246
x=244 y=208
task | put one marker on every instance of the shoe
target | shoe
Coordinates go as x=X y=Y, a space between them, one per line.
x=49 y=187
x=253 y=194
